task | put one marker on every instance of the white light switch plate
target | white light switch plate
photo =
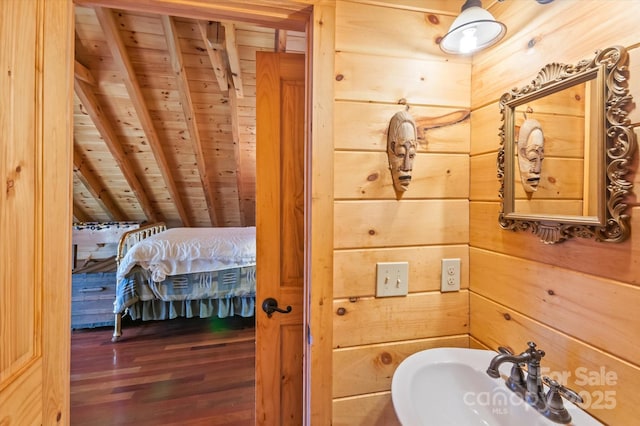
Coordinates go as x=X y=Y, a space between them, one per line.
x=392 y=279
x=450 y=275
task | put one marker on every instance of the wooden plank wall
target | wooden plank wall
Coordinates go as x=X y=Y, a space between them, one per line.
x=386 y=56
x=579 y=299
x=95 y=241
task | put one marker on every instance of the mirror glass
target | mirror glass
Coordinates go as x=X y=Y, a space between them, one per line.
x=561 y=186
x=566 y=144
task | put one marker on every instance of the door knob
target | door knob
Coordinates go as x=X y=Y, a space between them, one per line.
x=270 y=305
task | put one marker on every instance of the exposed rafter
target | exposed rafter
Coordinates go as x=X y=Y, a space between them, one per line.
x=206 y=133
x=213 y=36
x=234 y=59
x=82 y=73
x=93 y=108
x=79 y=214
x=287 y=15
x=177 y=64
x=235 y=132
x=95 y=186
x=281 y=41
x=118 y=51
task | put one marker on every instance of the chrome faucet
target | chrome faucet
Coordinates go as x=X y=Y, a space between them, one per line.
x=531 y=389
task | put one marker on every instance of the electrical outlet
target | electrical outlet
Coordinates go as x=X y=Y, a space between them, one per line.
x=450 y=275
x=392 y=279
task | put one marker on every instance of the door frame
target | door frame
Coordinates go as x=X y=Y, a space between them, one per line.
x=317 y=18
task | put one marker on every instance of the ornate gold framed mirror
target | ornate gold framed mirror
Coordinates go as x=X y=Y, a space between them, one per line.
x=566 y=146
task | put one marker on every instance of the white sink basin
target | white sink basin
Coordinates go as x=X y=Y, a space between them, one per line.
x=450 y=386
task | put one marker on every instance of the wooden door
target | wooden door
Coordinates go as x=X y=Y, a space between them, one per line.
x=280 y=100
x=36 y=38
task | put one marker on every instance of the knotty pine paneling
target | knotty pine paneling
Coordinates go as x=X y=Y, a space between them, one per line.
x=566 y=32
x=484 y=184
x=374 y=409
x=620 y=262
x=446 y=7
x=571 y=302
x=372 y=223
x=576 y=299
x=145 y=42
x=365 y=175
x=497 y=325
x=374 y=78
x=476 y=344
x=561 y=178
x=371 y=367
x=320 y=267
x=374 y=29
x=563 y=136
x=112 y=96
x=363 y=126
x=416 y=316
x=354 y=271
x=568 y=102
x=486 y=122
x=378 y=72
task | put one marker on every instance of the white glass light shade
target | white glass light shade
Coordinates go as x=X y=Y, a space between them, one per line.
x=474 y=29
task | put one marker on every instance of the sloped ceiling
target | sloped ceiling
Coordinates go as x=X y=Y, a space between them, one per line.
x=164 y=117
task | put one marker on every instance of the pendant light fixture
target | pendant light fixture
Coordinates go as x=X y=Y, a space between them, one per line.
x=473 y=30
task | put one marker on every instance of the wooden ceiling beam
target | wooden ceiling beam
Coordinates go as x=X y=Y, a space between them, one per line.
x=214 y=33
x=235 y=133
x=292 y=15
x=281 y=41
x=95 y=187
x=79 y=214
x=177 y=64
x=81 y=72
x=213 y=36
x=234 y=58
x=97 y=115
x=121 y=58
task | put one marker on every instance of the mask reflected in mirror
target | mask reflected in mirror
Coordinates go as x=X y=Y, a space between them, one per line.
x=589 y=146
x=402 y=145
x=530 y=154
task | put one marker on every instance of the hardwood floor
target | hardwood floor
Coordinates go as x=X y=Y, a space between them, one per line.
x=176 y=372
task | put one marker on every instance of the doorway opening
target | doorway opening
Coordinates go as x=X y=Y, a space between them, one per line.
x=145 y=207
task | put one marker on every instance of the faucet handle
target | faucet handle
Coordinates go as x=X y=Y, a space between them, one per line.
x=557 y=388
x=555 y=410
x=534 y=351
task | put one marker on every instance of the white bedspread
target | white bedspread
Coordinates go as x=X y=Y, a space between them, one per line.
x=185 y=250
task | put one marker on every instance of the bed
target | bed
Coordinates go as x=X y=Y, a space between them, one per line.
x=185 y=272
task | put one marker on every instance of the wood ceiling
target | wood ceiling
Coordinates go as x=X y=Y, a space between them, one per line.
x=164 y=117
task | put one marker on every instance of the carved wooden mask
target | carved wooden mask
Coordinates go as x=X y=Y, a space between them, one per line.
x=530 y=154
x=402 y=145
